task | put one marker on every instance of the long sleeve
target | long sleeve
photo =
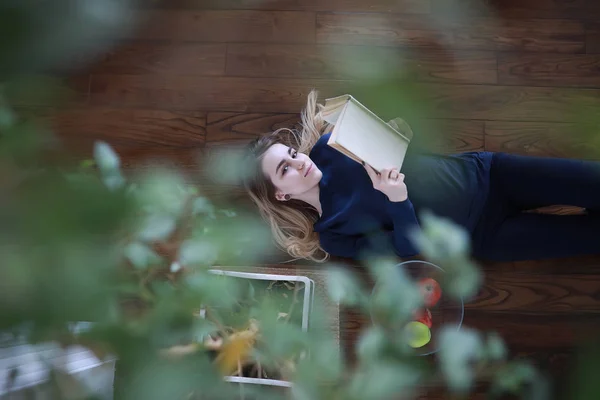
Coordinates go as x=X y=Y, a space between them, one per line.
x=380 y=242
x=404 y=219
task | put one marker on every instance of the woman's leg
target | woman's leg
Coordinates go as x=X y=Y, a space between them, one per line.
x=532 y=182
x=528 y=236
x=520 y=183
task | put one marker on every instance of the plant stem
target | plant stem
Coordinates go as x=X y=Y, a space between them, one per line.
x=209 y=317
x=294 y=302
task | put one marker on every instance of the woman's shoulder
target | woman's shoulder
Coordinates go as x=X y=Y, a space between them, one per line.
x=321 y=144
x=328 y=158
x=322 y=153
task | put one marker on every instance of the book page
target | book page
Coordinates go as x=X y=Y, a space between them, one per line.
x=334 y=115
x=370 y=139
x=333 y=108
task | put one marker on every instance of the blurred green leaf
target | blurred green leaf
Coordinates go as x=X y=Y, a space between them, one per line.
x=584 y=382
x=371 y=344
x=447 y=244
x=7 y=117
x=198 y=252
x=459 y=350
x=391 y=95
x=441 y=239
x=161 y=192
x=227 y=166
x=213 y=290
x=109 y=164
x=495 y=347
x=106 y=158
x=140 y=255
x=383 y=380
x=23 y=140
x=114 y=180
x=343 y=287
x=156 y=227
x=284 y=340
x=259 y=392
x=395 y=296
x=175 y=267
x=160 y=380
x=202 y=206
x=203 y=327
x=522 y=379
x=463 y=279
x=241 y=239
x=41 y=36
x=87 y=164
x=36 y=90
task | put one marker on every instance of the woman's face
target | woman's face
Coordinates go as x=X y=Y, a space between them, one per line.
x=291 y=172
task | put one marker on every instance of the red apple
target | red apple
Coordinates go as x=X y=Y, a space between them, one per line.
x=424 y=316
x=431 y=291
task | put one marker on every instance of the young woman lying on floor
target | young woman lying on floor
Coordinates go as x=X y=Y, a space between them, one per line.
x=319 y=202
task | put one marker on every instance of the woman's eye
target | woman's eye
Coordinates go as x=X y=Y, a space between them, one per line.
x=284 y=169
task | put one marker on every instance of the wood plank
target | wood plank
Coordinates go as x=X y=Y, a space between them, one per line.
x=144 y=139
x=566 y=140
x=227 y=128
x=162 y=58
x=592 y=41
x=577 y=70
x=449 y=66
x=402 y=6
x=482 y=102
x=538 y=35
x=511 y=103
x=573 y=265
x=187 y=160
x=210 y=94
x=347 y=62
x=572 y=9
x=530 y=332
x=227 y=26
x=377 y=30
x=535 y=35
x=538 y=294
x=130 y=128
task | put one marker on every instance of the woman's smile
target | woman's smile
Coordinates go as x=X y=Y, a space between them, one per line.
x=308 y=170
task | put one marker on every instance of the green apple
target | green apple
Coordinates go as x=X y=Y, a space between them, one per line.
x=418 y=334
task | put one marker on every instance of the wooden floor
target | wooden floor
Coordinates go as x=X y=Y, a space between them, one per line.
x=521 y=76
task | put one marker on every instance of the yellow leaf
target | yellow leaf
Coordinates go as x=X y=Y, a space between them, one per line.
x=236 y=349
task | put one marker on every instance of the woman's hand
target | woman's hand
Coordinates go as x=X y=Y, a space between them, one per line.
x=390 y=182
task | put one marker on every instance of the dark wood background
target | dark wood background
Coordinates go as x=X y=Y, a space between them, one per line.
x=520 y=76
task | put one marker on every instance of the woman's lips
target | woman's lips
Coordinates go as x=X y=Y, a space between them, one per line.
x=308 y=170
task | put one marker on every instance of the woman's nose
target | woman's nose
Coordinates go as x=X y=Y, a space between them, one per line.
x=299 y=164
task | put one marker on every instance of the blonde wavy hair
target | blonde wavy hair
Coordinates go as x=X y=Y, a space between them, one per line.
x=291 y=221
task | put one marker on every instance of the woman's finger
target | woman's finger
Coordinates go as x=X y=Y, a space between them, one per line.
x=390 y=174
x=372 y=173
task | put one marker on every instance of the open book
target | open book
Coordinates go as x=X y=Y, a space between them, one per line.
x=363 y=136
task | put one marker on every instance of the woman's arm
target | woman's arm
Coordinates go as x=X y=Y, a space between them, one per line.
x=379 y=243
